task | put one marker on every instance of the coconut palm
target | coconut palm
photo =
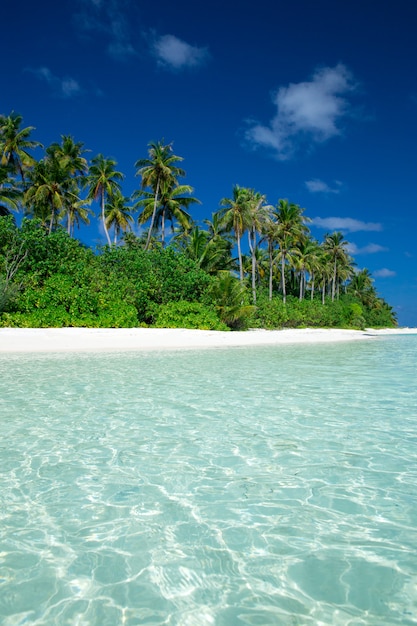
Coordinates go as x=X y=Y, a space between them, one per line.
x=228 y=297
x=304 y=262
x=9 y=192
x=118 y=215
x=361 y=286
x=72 y=167
x=291 y=227
x=220 y=241
x=336 y=247
x=236 y=214
x=259 y=215
x=15 y=143
x=158 y=170
x=270 y=234
x=103 y=184
x=171 y=206
x=211 y=254
x=47 y=194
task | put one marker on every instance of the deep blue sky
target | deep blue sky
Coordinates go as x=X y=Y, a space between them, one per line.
x=310 y=100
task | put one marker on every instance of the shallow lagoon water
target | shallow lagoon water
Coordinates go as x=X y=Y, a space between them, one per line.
x=246 y=486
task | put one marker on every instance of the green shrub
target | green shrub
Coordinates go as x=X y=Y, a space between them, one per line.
x=184 y=314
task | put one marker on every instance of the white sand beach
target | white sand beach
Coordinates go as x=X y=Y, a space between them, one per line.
x=134 y=339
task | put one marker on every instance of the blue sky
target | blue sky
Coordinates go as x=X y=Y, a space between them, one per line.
x=314 y=101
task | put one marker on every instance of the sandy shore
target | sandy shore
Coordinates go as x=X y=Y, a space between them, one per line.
x=122 y=339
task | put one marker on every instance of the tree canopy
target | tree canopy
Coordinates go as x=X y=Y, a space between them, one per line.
x=188 y=275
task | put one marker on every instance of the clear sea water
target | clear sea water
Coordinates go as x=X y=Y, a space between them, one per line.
x=247 y=486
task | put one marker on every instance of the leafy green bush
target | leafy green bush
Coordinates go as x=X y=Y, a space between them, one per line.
x=184 y=314
x=230 y=300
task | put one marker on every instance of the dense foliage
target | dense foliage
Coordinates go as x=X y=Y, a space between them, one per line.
x=48 y=278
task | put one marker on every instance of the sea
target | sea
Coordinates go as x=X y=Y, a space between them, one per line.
x=241 y=486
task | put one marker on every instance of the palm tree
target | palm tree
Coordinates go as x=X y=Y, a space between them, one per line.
x=236 y=214
x=291 y=228
x=172 y=205
x=304 y=262
x=103 y=184
x=361 y=286
x=118 y=215
x=313 y=266
x=9 y=192
x=336 y=247
x=270 y=234
x=228 y=298
x=158 y=170
x=219 y=241
x=47 y=194
x=15 y=143
x=259 y=215
x=73 y=169
x=77 y=211
x=211 y=254
x=174 y=202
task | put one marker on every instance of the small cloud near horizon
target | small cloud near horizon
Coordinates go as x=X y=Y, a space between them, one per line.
x=66 y=87
x=315 y=185
x=173 y=53
x=384 y=273
x=307 y=113
x=345 y=223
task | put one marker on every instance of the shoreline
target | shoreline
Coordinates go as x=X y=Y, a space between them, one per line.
x=35 y=340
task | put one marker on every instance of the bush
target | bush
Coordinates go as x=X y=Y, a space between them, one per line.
x=184 y=314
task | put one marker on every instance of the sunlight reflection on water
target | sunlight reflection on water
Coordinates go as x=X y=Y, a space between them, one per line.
x=267 y=485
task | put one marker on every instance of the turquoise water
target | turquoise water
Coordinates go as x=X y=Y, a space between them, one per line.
x=253 y=486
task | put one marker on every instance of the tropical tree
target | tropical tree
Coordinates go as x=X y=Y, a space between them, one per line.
x=270 y=234
x=118 y=215
x=259 y=214
x=304 y=262
x=72 y=168
x=9 y=192
x=236 y=214
x=15 y=144
x=103 y=184
x=228 y=296
x=291 y=227
x=158 y=171
x=171 y=206
x=336 y=247
x=46 y=195
x=361 y=287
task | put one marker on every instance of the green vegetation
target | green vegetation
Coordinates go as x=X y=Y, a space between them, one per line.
x=48 y=278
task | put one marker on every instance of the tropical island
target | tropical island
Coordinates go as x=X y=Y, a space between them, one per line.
x=252 y=265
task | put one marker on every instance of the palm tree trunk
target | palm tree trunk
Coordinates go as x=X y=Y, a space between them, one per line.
x=271 y=268
x=148 y=241
x=163 y=229
x=334 y=280
x=239 y=253
x=103 y=217
x=51 y=221
x=252 y=237
x=284 y=293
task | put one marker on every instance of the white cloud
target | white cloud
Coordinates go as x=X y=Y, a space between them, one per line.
x=371 y=248
x=384 y=273
x=319 y=186
x=345 y=223
x=177 y=54
x=63 y=87
x=309 y=111
x=107 y=17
